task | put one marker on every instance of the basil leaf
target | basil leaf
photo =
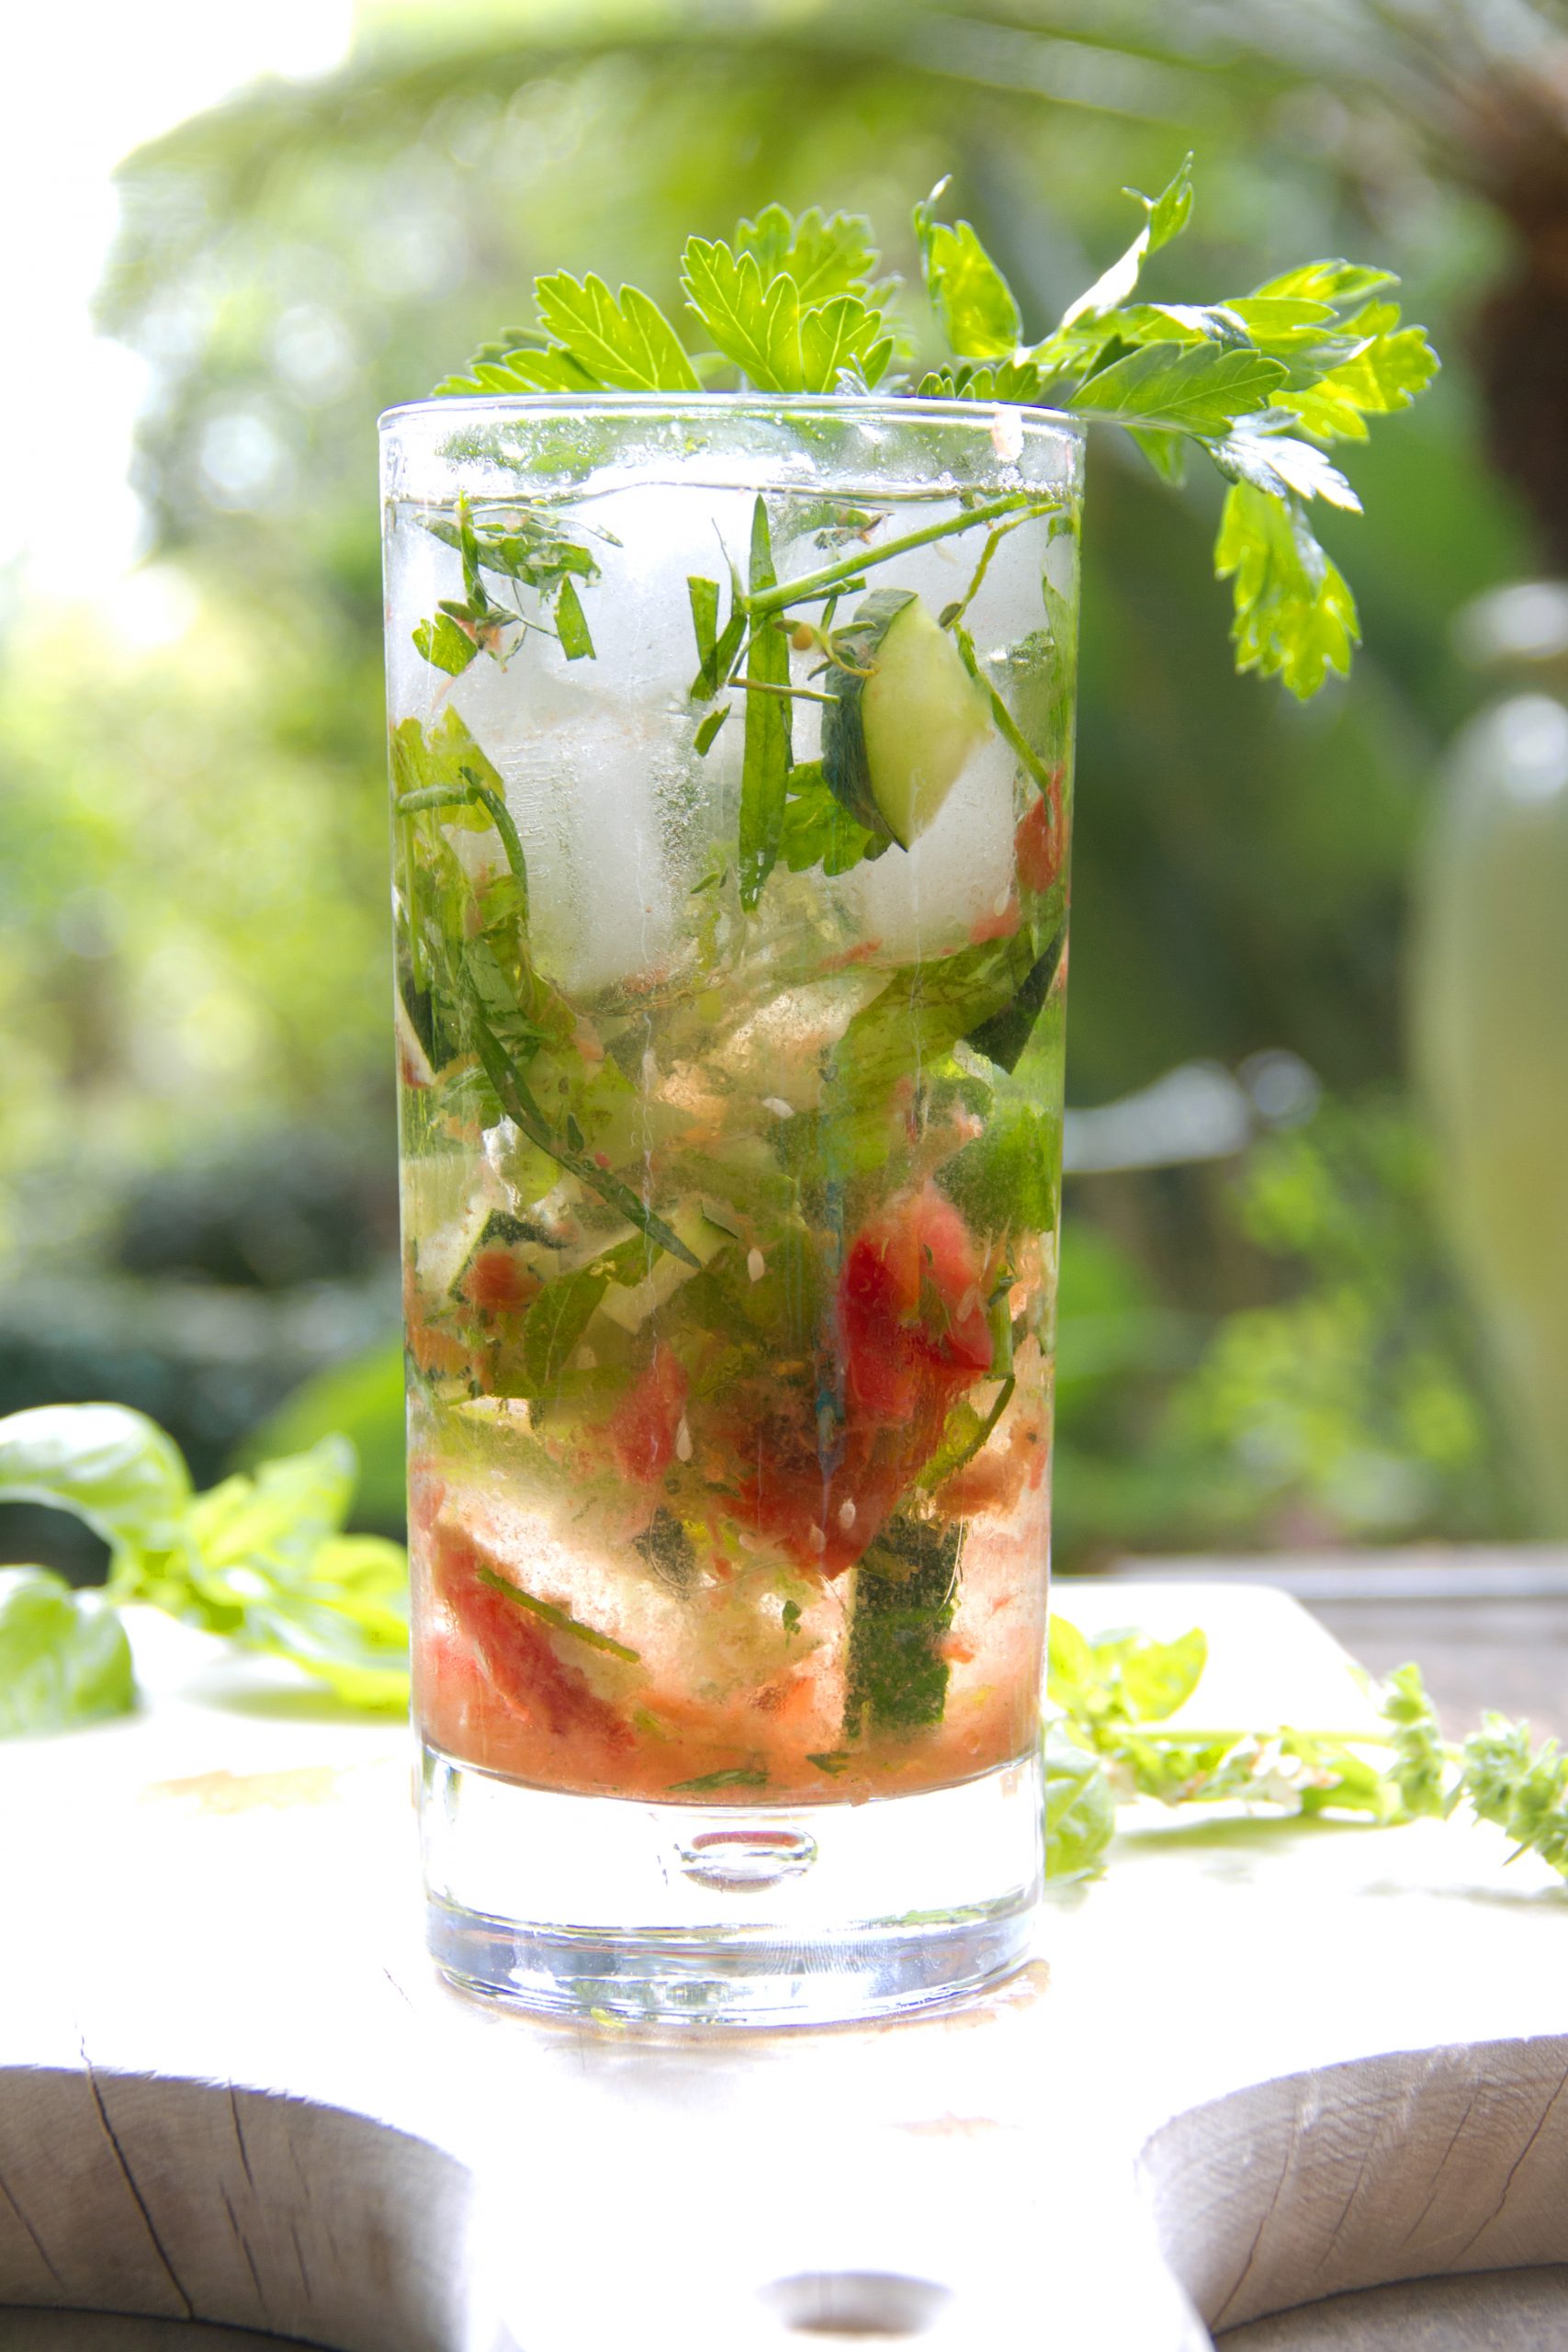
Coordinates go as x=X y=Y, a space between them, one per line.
x=107 y=1464
x=1122 y=1678
x=274 y=1573
x=344 y=1622
x=272 y=1525
x=1080 y=1810
x=65 y=1659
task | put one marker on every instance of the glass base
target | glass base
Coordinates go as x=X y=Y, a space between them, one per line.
x=725 y=1915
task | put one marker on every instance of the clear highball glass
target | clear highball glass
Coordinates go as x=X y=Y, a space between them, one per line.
x=731 y=756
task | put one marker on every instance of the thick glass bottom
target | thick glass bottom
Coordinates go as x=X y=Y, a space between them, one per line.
x=726 y=1915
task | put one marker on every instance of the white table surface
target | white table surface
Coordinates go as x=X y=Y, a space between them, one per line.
x=223 y=1892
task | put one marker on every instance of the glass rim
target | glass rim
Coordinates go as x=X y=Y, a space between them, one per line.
x=881 y=408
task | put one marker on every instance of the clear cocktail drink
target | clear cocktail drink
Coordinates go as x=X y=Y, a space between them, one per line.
x=731 y=748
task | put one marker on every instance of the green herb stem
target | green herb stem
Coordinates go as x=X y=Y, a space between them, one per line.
x=501 y=817
x=429 y=796
x=1017 y=742
x=557 y=1620
x=512 y=1093
x=812 y=583
x=791 y=693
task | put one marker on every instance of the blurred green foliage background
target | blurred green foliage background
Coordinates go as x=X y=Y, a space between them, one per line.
x=196 y=1138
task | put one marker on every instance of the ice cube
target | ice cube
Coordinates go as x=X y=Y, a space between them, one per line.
x=957 y=881
x=419 y=571
x=638 y=609
x=590 y=784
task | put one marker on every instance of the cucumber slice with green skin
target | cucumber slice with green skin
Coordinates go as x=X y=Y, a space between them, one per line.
x=631 y=1307
x=906 y=718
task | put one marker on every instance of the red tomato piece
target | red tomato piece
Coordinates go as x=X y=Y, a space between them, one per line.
x=912 y=1307
x=1040 y=841
x=646 y=1423
x=494 y=1282
x=514 y=1650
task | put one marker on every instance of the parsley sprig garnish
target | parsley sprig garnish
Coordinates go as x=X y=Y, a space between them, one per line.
x=1263 y=383
x=1110 y=1737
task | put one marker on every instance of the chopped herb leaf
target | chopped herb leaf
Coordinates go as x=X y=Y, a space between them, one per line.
x=906 y=1591
x=570 y=626
x=444 y=645
x=739 y=1776
x=553 y=1326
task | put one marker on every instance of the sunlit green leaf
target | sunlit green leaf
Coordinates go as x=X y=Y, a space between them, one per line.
x=1394 y=365
x=753 y=320
x=104 y=1463
x=1185 y=387
x=628 y=344
x=1282 y=466
x=444 y=645
x=975 y=305
x=824 y=258
x=842 y=337
x=1080 y=1810
x=1167 y=216
x=1295 y=619
x=65 y=1659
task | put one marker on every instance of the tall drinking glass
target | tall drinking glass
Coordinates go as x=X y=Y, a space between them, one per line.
x=731 y=764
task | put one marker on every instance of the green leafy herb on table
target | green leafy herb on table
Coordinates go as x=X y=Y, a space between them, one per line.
x=261 y=1560
x=1262 y=383
x=1109 y=1739
x=63 y=1656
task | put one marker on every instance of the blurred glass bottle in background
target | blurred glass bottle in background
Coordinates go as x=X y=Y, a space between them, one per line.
x=1490 y=1010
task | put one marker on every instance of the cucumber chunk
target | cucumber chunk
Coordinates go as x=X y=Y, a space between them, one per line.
x=906 y=718
x=631 y=1307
